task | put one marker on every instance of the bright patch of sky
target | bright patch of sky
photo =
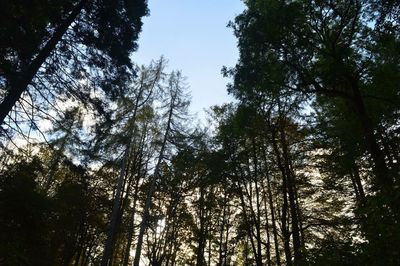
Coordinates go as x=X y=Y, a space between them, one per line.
x=193 y=36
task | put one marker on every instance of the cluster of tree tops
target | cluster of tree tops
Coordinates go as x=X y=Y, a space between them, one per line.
x=302 y=169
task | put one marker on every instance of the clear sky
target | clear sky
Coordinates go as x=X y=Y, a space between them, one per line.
x=193 y=36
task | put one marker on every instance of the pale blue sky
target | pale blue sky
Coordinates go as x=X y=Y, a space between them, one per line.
x=193 y=36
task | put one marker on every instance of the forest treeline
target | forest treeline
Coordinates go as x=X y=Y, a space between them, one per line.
x=102 y=164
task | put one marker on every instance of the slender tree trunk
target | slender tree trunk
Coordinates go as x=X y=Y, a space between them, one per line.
x=292 y=199
x=153 y=185
x=114 y=215
x=201 y=240
x=272 y=211
x=20 y=82
x=255 y=216
x=358 y=186
x=131 y=224
x=171 y=231
x=258 y=228
x=299 y=215
x=267 y=229
x=226 y=253
x=138 y=166
x=258 y=215
x=380 y=168
x=285 y=229
x=222 y=230
x=247 y=222
x=116 y=211
x=274 y=227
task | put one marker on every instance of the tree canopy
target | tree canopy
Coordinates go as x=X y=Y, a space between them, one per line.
x=101 y=163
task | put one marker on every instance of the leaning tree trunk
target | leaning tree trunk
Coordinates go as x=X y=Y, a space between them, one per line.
x=133 y=212
x=116 y=213
x=115 y=210
x=381 y=171
x=20 y=81
x=150 y=193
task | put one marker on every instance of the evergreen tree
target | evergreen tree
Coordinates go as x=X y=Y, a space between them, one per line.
x=105 y=32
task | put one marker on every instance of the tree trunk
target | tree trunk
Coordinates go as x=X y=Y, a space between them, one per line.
x=201 y=240
x=285 y=229
x=267 y=229
x=221 y=232
x=247 y=222
x=131 y=224
x=272 y=211
x=153 y=181
x=105 y=261
x=258 y=215
x=116 y=211
x=381 y=171
x=226 y=253
x=292 y=198
x=355 y=176
x=20 y=82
